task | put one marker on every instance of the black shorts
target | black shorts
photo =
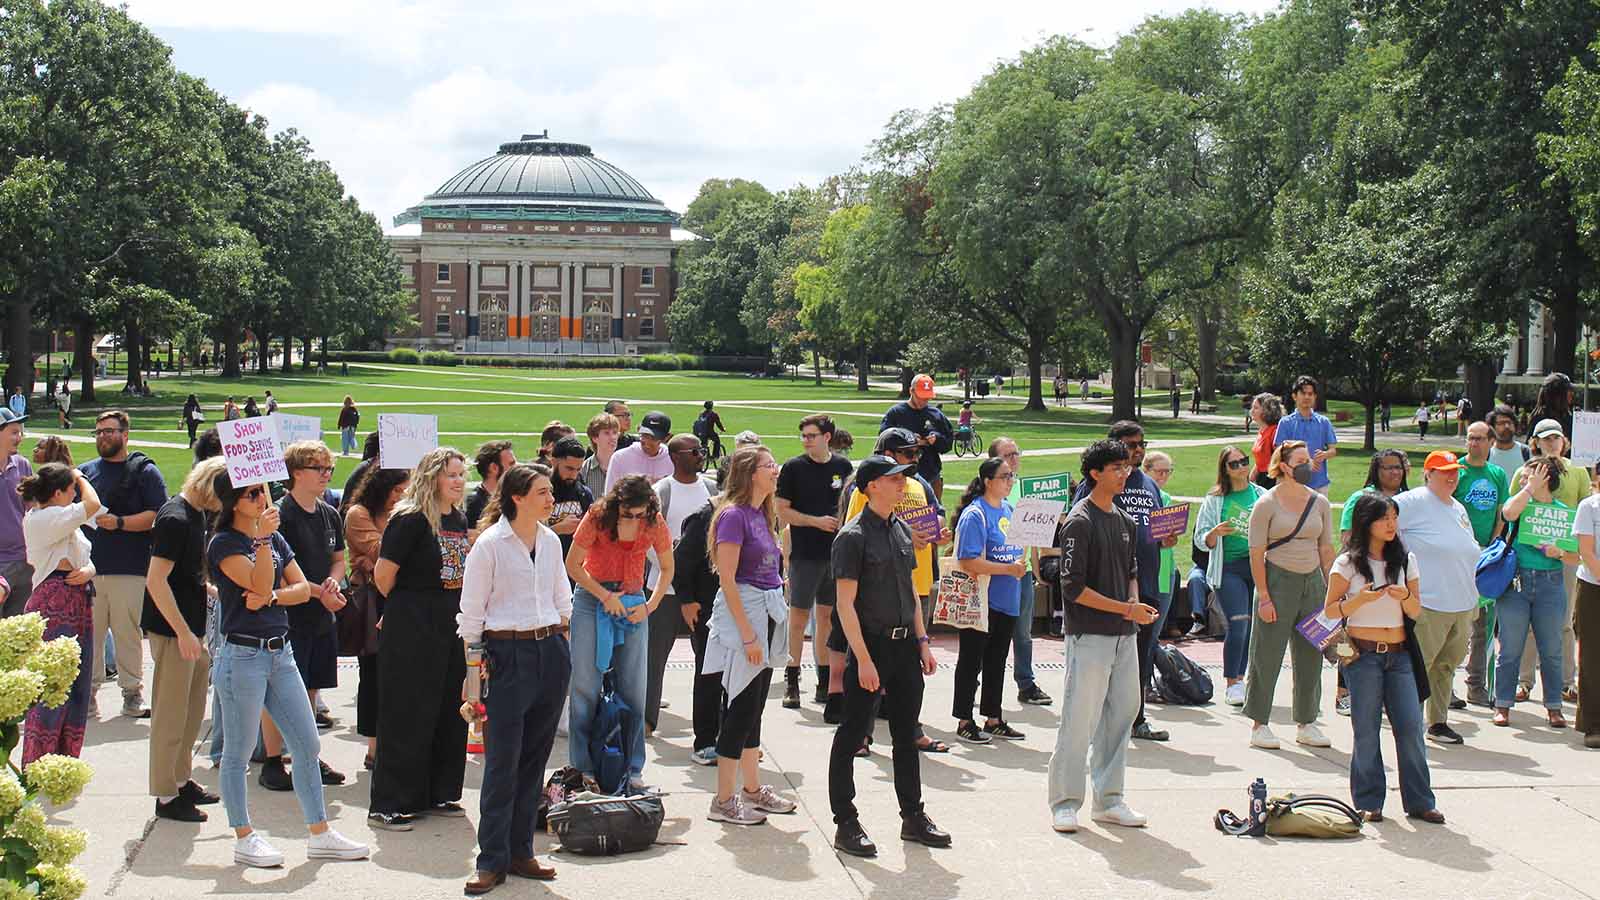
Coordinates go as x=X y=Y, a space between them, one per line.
x=810 y=583
x=317 y=658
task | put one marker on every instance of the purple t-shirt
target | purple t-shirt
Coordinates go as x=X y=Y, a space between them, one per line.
x=758 y=550
x=12 y=547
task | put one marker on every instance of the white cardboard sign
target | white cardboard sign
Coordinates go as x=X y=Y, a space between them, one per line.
x=404 y=438
x=293 y=428
x=1033 y=522
x=1585 y=437
x=253 y=451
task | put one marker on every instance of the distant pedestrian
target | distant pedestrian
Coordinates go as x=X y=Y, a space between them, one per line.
x=230 y=410
x=1387 y=411
x=251 y=410
x=1061 y=390
x=1423 y=416
x=1177 y=399
x=349 y=420
x=272 y=403
x=18 y=402
x=64 y=405
x=192 y=416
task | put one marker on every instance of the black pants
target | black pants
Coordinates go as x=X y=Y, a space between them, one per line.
x=986 y=651
x=1422 y=427
x=707 y=688
x=665 y=624
x=740 y=726
x=422 y=737
x=193 y=426
x=899 y=664
x=527 y=688
x=367 y=695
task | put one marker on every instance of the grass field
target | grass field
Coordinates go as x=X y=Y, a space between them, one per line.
x=479 y=404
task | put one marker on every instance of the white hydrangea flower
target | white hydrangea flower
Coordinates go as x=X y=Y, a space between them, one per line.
x=57 y=661
x=61 y=845
x=60 y=882
x=58 y=777
x=19 y=636
x=12 y=794
x=19 y=689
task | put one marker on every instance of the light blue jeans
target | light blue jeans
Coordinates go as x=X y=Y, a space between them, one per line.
x=1237 y=598
x=1022 y=637
x=1540 y=603
x=248 y=679
x=347 y=440
x=630 y=667
x=1098 y=704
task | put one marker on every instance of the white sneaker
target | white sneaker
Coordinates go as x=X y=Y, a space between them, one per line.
x=1065 y=820
x=705 y=756
x=1123 y=815
x=332 y=845
x=1235 y=694
x=1311 y=736
x=1261 y=736
x=253 y=850
x=735 y=811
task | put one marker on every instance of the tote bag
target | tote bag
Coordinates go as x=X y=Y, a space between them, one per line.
x=962 y=600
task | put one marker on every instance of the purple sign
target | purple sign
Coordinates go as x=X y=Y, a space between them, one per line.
x=1168 y=521
x=923 y=521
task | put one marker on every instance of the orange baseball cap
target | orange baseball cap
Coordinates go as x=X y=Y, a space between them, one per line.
x=922 y=387
x=1441 y=461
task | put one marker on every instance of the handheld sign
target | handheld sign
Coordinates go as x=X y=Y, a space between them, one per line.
x=1318 y=629
x=253 y=451
x=1048 y=487
x=1585 y=437
x=1548 y=523
x=1168 y=521
x=404 y=438
x=1033 y=522
x=923 y=521
x=292 y=428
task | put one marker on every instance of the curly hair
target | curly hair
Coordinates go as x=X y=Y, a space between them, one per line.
x=374 y=488
x=630 y=492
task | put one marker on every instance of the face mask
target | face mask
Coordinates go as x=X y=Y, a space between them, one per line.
x=1302 y=473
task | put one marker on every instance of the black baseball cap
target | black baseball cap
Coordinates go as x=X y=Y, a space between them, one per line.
x=876 y=467
x=897 y=439
x=656 y=424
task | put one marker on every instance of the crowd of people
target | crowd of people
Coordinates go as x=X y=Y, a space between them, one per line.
x=564 y=582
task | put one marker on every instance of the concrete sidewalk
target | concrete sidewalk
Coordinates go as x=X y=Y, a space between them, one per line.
x=1522 y=802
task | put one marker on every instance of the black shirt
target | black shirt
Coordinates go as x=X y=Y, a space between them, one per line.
x=476 y=502
x=812 y=488
x=266 y=622
x=426 y=561
x=1098 y=551
x=126 y=488
x=573 y=498
x=877 y=554
x=349 y=495
x=928 y=420
x=314 y=537
x=179 y=535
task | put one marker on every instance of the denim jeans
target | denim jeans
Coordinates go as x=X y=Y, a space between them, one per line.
x=248 y=679
x=1384 y=683
x=630 y=667
x=1236 y=596
x=347 y=440
x=1022 y=637
x=1098 y=703
x=1541 y=603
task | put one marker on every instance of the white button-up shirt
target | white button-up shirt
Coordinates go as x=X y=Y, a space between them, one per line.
x=506 y=590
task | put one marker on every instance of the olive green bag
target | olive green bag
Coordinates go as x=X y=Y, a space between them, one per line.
x=1312 y=816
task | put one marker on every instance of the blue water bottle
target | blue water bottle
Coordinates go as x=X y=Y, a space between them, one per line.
x=1258 y=808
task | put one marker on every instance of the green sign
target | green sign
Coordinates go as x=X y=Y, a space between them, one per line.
x=1548 y=523
x=1049 y=487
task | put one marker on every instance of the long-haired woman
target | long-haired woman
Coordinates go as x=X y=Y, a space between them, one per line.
x=63 y=595
x=421 y=665
x=983 y=550
x=749 y=631
x=1555 y=400
x=610 y=616
x=256 y=577
x=349 y=418
x=365 y=519
x=1222 y=530
x=1266 y=410
x=1537 y=597
x=1373 y=587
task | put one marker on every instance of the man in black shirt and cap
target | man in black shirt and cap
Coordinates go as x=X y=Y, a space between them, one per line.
x=881 y=617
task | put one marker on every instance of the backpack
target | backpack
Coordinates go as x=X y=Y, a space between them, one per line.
x=606 y=826
x=1178 y=680
x=607 y=747
x=1497 y=564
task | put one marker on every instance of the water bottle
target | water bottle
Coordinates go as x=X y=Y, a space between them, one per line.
x=1258 y=808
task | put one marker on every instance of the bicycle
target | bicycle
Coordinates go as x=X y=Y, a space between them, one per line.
x=967 y=442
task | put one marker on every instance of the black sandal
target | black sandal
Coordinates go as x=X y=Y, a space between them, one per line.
x=934 y=746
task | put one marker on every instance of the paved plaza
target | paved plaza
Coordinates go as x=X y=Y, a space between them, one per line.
x=1522 y=805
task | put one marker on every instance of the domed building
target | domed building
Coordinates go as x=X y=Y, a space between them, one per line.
x=540 y=248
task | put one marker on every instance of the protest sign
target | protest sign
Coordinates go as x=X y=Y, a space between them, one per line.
x=293 y=428
x=923 y=521
x=1548 y=523
x=1033 y=522
x=404 y=438
x=1048 y=487
x=1168 y=521
x=253 y=451
x=1585 y=437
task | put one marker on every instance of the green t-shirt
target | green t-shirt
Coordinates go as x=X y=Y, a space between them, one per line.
x=1531 y=557
x=1483 y=490
x=1164 y=578
x=1572 y=490
x=1349 y=510
x=1236 y=508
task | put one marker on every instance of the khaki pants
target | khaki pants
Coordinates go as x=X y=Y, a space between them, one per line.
x=1569 y=655
x=177 y=706
x=1442 y=638
x=118 y=602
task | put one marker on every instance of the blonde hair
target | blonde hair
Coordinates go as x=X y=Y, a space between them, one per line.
x=306 y=454
x=422 y=491
x=199 y=486
x=1280 y=454
x=1153 y=457
x=736 y=490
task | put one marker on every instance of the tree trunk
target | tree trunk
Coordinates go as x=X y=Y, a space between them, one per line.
x=134 y=343
x=263 y=344
x=83 y=350
x=1565 y=322
x=905 y=381
x=19 y=335
x=1035 y=371
x=305 y=351
x=861 y=369
x=1481 y=377
x=816 y=365
x=230 y=354
x=1205 y=331
x=1124 y=369
x=288 y=353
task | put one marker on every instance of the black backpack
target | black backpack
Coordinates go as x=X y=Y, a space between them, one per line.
x=606 y=826
x=1177 y=680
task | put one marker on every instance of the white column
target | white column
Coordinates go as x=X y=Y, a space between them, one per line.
x=1536 y=341
x=1513 y=363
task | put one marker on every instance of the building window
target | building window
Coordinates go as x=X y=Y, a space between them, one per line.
x=647 y=327
x=443 y=274
x=647 y=277
x=441 y=323
x=597 y=278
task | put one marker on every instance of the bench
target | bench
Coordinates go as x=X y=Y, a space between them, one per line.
x=1208 y=407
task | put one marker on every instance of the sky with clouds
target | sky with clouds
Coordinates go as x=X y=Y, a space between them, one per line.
x=401 y=94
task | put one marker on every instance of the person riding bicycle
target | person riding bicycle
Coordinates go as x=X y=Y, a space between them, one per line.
x=706 y=426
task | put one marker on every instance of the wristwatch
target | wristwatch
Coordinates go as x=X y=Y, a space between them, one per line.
x=119 y=523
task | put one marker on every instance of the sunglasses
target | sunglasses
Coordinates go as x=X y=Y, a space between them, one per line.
x=697 y=451
x=255 y=492
x=1237 y=464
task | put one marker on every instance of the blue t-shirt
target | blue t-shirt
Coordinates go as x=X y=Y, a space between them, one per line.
x=266 y=622
x=123 y=552
x=981 y=534
x=1139 y=498
x=1318 y=434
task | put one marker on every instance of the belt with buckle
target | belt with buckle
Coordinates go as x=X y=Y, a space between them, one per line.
x=536 y=634
x=1378 y=646
x=259 y=643
x=896 y=634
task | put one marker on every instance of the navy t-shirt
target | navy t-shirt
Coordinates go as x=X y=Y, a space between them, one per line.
x=266 y=622
x=1138 y=499
x=123 y=552
x=314 y=537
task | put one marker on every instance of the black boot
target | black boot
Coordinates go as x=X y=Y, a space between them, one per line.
x=791 y=687
x=851 y=839
x=822 y=685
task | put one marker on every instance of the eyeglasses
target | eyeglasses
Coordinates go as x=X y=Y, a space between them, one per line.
x=1165 y=471
x=320 y=470
x=1133 y=445
x=810 y=435
x=1008 y=476
x=100 y=431
x=768 y=465
x=255 y=492
x=1237 y=464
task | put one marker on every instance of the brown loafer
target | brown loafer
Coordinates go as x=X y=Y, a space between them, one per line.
x=483 y=882
x=1432 y=817
x=1372 y=815
x=1557 y=720
x=1502 y=716
x=530 y=868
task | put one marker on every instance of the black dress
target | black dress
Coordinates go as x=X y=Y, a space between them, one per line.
x=421 y=758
